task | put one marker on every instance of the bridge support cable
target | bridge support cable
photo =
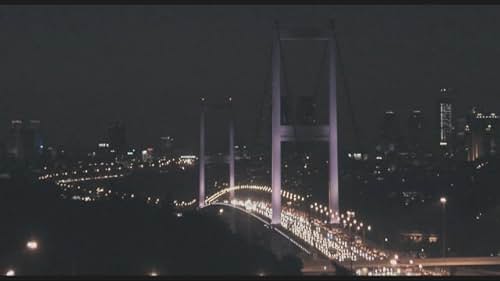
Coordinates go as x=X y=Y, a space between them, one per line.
x=347 y=91
x=277 y=230
x=264 y=104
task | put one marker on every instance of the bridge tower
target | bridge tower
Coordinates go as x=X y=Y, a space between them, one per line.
x=201 y=198
x=204 y=159
x=283 y=133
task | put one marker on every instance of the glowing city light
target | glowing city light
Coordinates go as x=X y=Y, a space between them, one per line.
x=32 y=245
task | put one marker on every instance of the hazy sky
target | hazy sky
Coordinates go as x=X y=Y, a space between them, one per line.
x=77 y=68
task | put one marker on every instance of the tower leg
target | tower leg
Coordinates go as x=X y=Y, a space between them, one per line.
x=333 y=188
x=231 y=157
x=276 y=136
x=201 y=198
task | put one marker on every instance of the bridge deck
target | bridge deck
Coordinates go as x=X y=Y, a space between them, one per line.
x=314 y=262
x=430 y=262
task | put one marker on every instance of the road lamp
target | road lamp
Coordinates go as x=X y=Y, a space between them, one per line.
x=443 y=200
x=10 y=272
x=32 y=245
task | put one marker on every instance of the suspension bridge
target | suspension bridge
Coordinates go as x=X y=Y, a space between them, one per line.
x=312 y=227
x=330 y=237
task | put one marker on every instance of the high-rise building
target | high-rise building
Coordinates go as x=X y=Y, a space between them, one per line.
x=24 y=141
x=117 y=138
x=446 y=118
x=14 y=143
x=38 y=141
x=103 y=152
x=166 y=145
x=462 y=129
x=147 y=155
x=415 y=131
x=480 y=137
x=32 y=140
x=390 y=133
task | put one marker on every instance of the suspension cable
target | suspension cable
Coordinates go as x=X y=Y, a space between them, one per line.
x=357 y=133
x=291 y=117
x=262 y=105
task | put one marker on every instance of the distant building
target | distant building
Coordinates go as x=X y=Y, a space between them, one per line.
x=241 y=152
x=479 y=134
x=166 y=146
x=445 y=104
x=415 y=131
x=187 y=160
x=24 y=141
x=49 y=157
x=147 y=155
x=117 y=138
x=103 y=145
x=390 y=133
x=104 y=152
x=418 y=237
x=14 y=143
x=32 y=140
x=461 y=142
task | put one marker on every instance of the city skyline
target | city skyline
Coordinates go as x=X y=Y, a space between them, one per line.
x=392 y=61
x=249 y=141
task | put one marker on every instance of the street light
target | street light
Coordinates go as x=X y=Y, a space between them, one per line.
x=32 y=245
x=443 y=201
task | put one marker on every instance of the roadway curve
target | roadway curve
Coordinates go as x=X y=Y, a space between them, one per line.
x=437 y=262
x=314 y=262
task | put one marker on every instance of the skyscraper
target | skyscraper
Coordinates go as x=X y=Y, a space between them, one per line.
x=24 y=141
x=14 y=143
x=166 y=144
x=32 y=140
x=117 y=138
x=390 y=133
x=480 y=137
x=415 y=131
x=446 y=119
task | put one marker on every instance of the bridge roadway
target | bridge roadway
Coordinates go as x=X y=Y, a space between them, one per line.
x=314 y=262
x=436 y=262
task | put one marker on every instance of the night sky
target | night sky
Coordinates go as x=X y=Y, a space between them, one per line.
x=78 y=68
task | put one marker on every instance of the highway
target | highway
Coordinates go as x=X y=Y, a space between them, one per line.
x=314 y=263
x=436 y=262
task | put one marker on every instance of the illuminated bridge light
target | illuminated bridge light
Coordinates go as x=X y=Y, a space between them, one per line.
x=307 y=224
